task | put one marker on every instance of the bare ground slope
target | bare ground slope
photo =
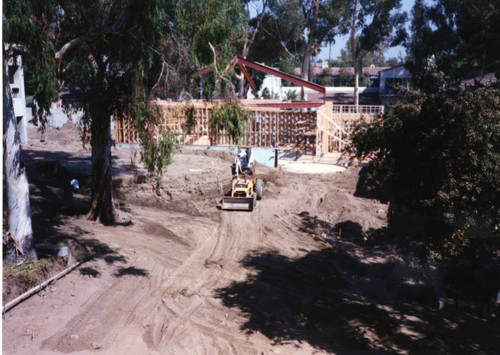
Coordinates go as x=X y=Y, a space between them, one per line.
x=308 y=271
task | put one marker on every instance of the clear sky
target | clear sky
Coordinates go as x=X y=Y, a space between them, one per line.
x=340 y=44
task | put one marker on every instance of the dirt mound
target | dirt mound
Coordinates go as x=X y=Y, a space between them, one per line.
x=310 y=270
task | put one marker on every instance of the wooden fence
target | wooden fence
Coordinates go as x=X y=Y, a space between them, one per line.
x=320 y=131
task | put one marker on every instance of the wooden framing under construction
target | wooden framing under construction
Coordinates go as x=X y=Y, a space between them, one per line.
x=319 y=131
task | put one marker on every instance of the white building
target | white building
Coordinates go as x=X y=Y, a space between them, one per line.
x=274 y=89
x=387 y=86
x=393 y=82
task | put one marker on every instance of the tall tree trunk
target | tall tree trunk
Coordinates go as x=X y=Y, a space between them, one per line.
x=241 y=77
x=355 y=53
x=246 y=50
x=241 y=86
x=305 y=68
x=309 y=47
x=20 y=243
x=356 y=82
x=102 y=206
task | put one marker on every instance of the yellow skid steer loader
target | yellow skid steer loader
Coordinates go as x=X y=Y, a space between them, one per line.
x=244 y=194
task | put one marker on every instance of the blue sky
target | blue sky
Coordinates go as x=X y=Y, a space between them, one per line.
x=340 y=44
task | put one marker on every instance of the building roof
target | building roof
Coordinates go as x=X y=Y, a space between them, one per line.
x=390 y=68
x=336 y=71
x=375 y=71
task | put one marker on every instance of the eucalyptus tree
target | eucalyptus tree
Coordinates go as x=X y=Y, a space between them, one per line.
x=300 y=27
x=19 y=243
x=100 y=51
x=254 y=26
x=373 y=23
x=212 y=31
x=110 y=55
x=459 y=36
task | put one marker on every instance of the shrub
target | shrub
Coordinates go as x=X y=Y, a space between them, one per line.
x=28 y=274
x=291 y=95
x=439 y=152
x=230 y=117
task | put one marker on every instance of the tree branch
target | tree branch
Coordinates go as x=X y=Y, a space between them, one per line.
x=89 y=36
x=259 y=22
x=280 y=41
x=81 y=40
x=216 y=71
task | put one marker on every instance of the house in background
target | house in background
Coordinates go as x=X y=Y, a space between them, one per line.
x=382 y=85
x=342 y=77
x=393 y=83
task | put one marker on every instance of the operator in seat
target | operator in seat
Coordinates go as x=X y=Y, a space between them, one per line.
x=243 y=157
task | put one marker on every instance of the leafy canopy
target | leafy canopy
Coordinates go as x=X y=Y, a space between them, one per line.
x=461 y=35
x=439 y=152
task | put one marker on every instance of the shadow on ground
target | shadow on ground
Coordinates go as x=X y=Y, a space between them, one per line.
x=350 y=297
x=53 y=204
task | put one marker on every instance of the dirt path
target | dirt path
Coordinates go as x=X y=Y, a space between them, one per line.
x=310 y=270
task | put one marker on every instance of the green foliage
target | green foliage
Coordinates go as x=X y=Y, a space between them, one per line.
x=461 y=35
x=288 y=65
x=439 y=152
x=216 y=21
x=345 y=59
x=264 y=47
x=23 y=30
x=158 y=152
x=196 y=24
x=157 y=147
x=292 y=30
x=378 y=21
x=190 y=122
x=29 y=273
x=291 y=95
x=231 y=117
x=106 y=50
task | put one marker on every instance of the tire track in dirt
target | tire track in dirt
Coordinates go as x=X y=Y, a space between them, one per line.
x=187 y=296
x=174 y=296
x=100 y=316
x=178 y=293
x=109 y=314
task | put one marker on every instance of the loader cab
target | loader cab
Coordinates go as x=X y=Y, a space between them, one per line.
x=244 y=162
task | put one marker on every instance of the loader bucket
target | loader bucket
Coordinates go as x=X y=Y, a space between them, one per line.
x=238 y=203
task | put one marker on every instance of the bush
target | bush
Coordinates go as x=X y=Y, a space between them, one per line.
x=439 y=153
x=291 y=95
x=229 y=117
x=157 y=146
x=28 y=274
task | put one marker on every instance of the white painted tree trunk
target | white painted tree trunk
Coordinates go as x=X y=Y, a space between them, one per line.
x=356 y=83
x=20 y=241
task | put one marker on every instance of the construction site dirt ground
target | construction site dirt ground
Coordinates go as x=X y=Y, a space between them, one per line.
x=310 y=271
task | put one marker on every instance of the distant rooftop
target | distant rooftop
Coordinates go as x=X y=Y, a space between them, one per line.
x=336 y=71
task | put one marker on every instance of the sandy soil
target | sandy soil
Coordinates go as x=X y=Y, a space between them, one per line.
x=309 y=271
